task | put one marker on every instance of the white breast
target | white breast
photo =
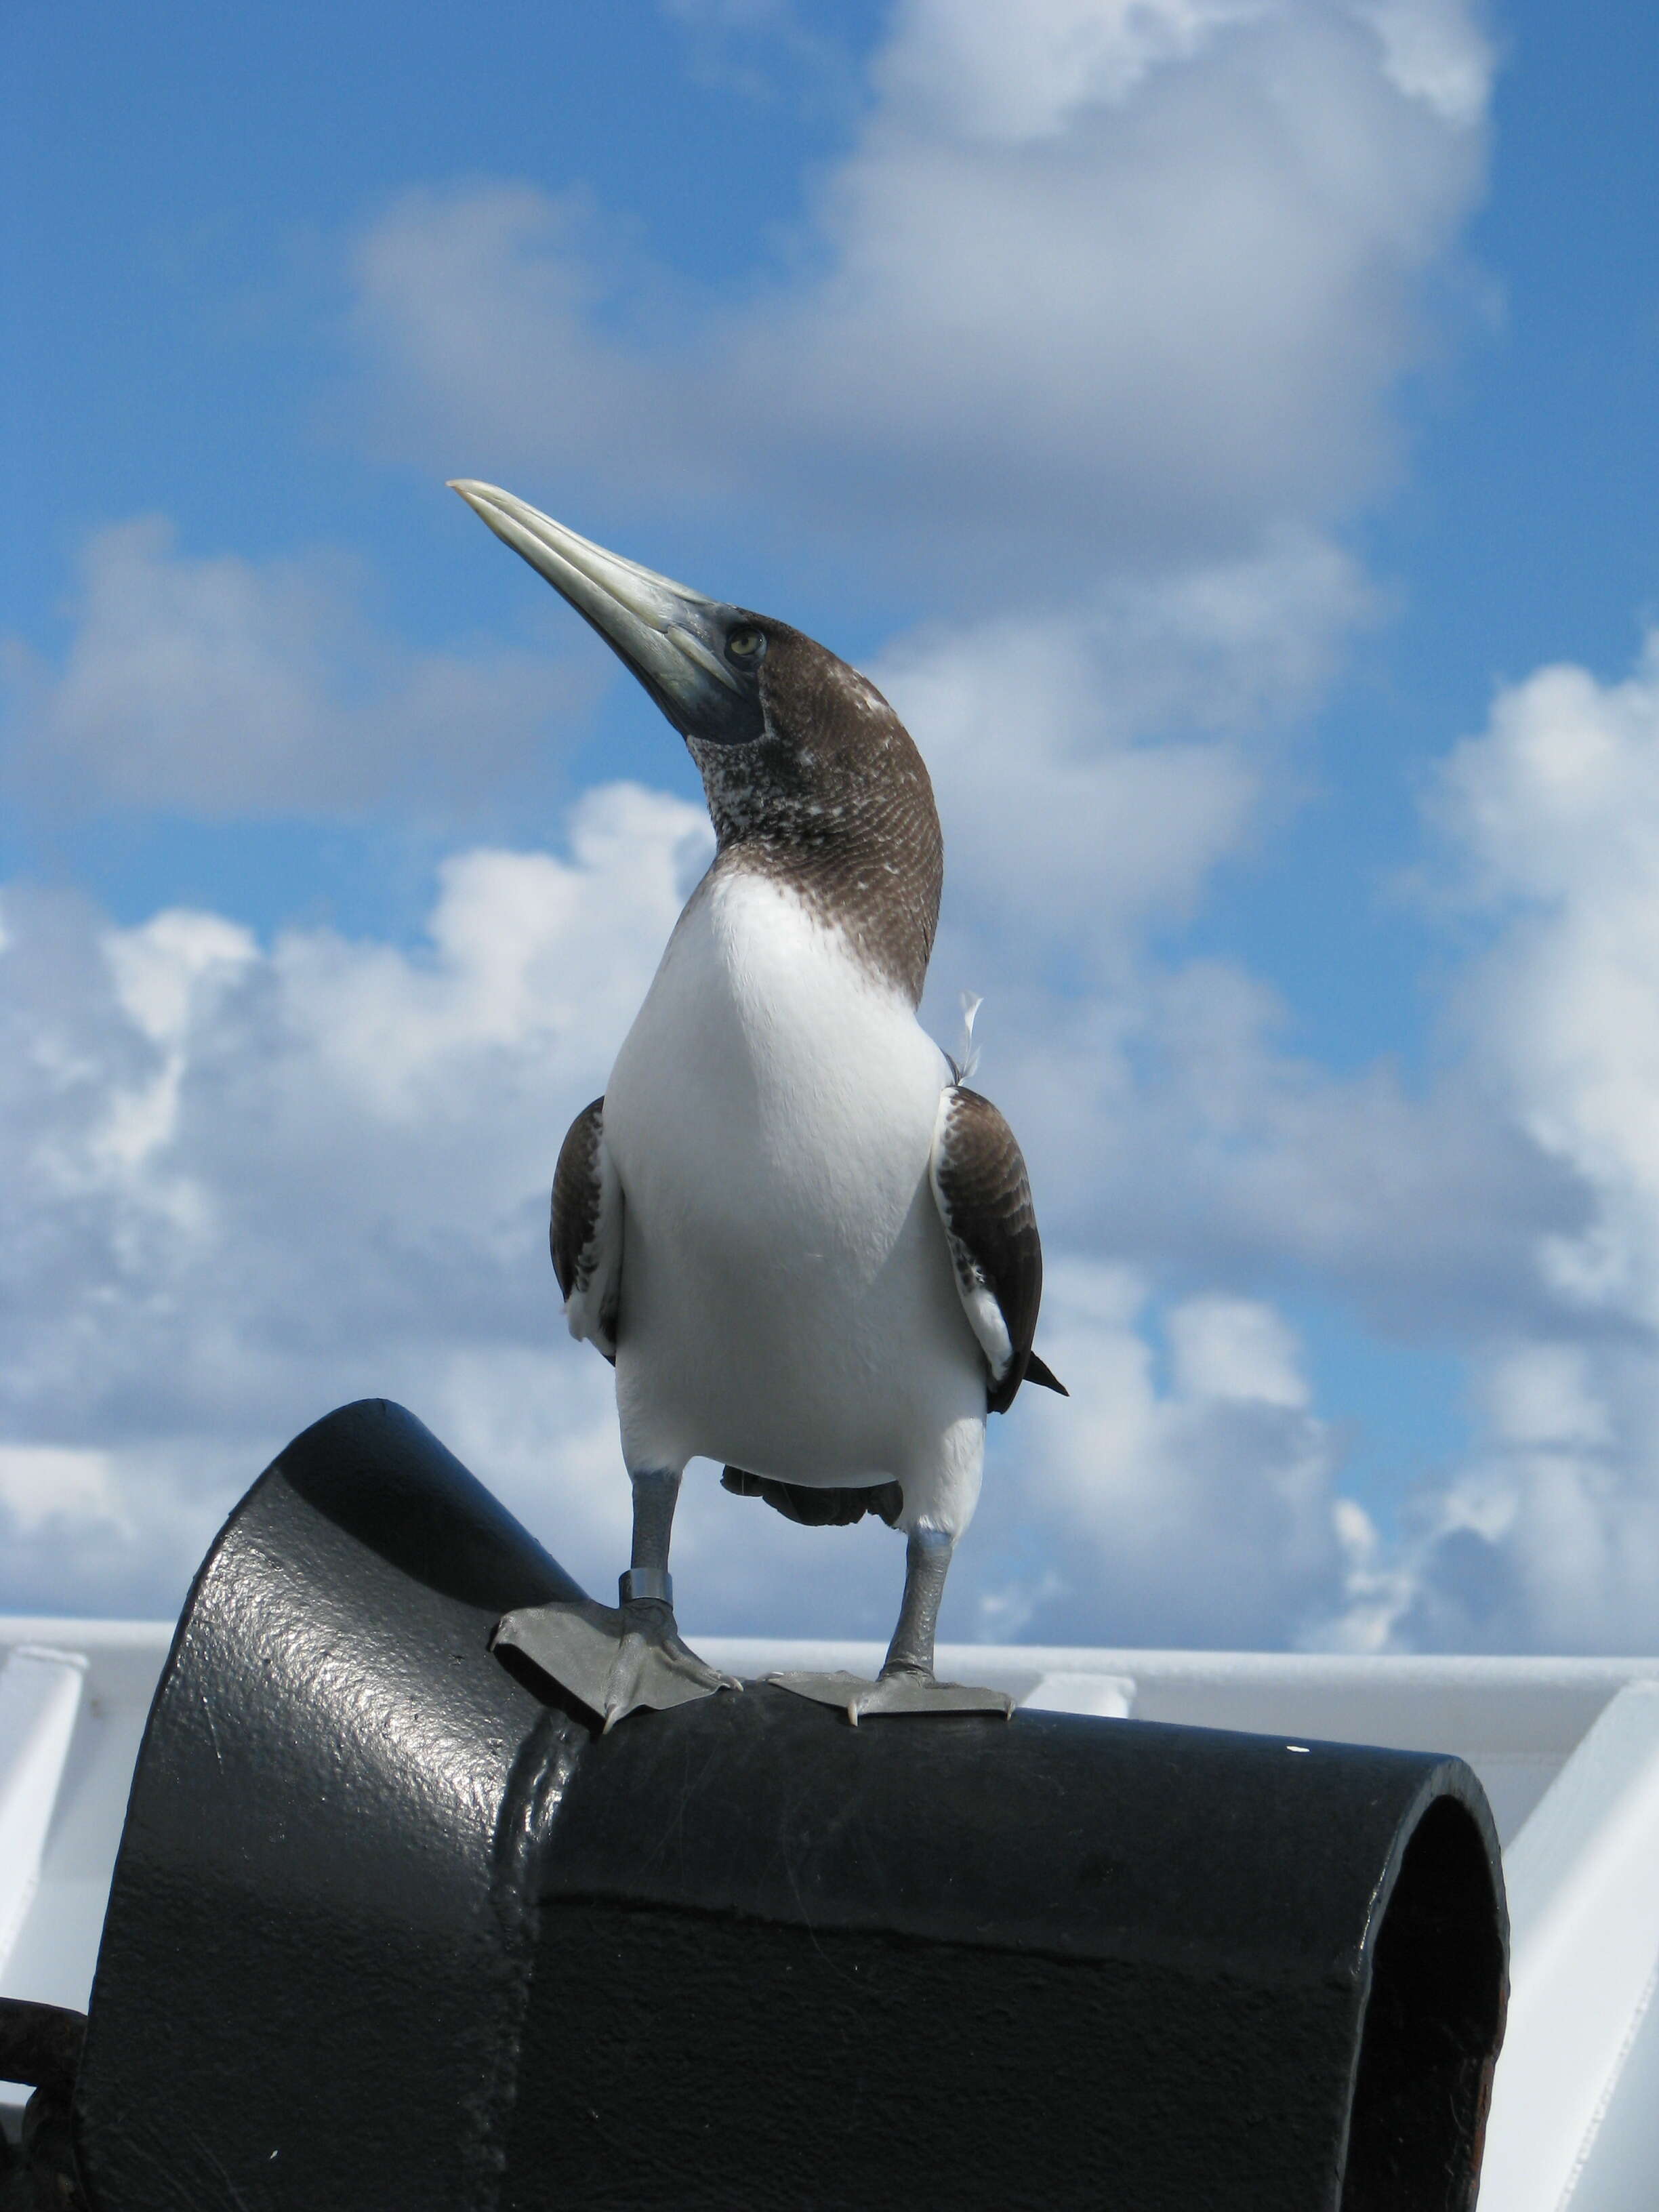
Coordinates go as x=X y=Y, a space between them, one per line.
x=787 y=1299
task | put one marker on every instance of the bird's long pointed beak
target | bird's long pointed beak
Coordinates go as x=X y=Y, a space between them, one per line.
x=672 y=639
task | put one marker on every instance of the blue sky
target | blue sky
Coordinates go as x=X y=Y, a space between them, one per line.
x=1230 y=412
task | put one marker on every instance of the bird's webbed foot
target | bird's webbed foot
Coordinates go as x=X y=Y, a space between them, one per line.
x=896 y=1690
x=906 y=1683
x=614 y=1659
x=654 y=1665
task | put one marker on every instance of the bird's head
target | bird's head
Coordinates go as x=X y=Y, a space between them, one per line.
x=809 y=773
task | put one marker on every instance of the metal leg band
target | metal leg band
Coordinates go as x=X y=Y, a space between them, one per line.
x=646 y=1582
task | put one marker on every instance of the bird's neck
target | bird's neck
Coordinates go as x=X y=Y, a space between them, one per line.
x=857 y=837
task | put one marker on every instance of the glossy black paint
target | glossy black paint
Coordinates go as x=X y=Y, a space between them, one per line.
x=389 y=1931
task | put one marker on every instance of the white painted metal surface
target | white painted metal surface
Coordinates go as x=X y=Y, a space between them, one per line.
x=1568 y=1750
x=39 y=1697
x=1582 y=1878
x=52 y=1954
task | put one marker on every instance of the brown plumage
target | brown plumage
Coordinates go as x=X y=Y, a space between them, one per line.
x=573 y=1222
x=985 y=1201
x=848 y=820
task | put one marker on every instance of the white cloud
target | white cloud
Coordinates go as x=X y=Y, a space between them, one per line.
x=1093 y=283
x=248 y=1182
x=1542 y=1397
x=1555 y=815
x=1201 y=1510
x=1092 y=765
x=966 y=70
x=41 y=1483
x=224 y=687
x=1439 y=55
x=1550 y=1535
x=105 y=1530
x=1169 y=1121
x=1237 y=1350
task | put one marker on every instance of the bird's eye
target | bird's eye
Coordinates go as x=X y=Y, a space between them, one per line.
x=746 y=646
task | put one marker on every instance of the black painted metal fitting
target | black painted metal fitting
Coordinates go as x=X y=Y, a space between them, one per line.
x=40 y=2046
x=390 y=1930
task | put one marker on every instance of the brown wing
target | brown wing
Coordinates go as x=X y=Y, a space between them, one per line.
x=984 y=1199
x=584 y=1232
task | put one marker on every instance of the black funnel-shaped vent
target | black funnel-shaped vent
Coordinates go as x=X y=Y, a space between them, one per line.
x=390 y=1931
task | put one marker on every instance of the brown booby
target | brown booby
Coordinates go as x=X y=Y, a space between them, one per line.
x=808 y=1249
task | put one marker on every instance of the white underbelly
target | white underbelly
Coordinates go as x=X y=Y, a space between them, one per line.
x=787 y=1299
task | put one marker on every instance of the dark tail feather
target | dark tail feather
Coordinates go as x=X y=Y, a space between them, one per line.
x=1037 y=1371
x=818 y=1508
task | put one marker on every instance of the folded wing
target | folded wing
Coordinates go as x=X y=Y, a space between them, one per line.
x=585 y=1233
x=984 y=1200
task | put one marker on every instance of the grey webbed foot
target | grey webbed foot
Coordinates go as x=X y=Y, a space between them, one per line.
x=906 y=1683
x=899 y=1690
x=615 y=1658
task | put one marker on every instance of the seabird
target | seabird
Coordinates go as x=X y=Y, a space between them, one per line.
x=806 y=1246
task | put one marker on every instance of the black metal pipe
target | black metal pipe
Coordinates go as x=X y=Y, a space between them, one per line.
x=390 y=1927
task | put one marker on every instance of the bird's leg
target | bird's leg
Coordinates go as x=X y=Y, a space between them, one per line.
x=906 y=1683
x=648 y=1582
x=927 y=1563
x=617 y=1660
x=654 y=1665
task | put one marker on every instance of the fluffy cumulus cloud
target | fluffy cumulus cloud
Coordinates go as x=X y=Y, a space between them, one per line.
x=247 y=1182
x=222 y=687
x=1177 y=1130
x=1094 y=764
x=1551 y=820
x=1186 y=1493
x=1093 y=283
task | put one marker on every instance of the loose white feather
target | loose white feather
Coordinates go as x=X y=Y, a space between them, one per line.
x=964 y=1061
